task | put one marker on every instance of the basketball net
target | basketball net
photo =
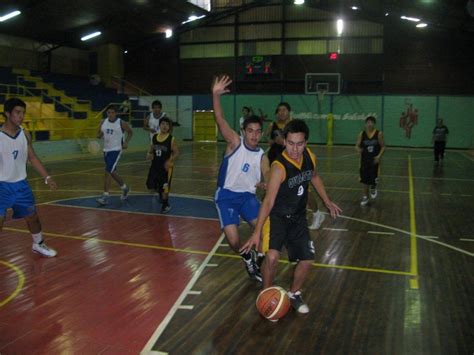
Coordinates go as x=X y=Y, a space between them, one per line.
x=321 y=93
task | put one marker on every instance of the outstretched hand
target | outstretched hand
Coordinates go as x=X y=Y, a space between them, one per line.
x=252 y=243
x=334 y=209
x=220 y=84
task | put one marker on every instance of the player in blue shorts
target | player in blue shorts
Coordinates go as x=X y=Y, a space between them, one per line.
x=112 y=131
x=239 y=175
x=16 y=149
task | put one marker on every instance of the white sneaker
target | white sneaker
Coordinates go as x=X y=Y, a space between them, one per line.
x=373 y=193
x=297 y=302
x=318 y=219
x=44 y=250
x=104 y=200
x=125 y=192
x=365 y=201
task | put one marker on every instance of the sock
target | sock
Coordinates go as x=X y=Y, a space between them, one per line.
x=260 y=255
x=105 y=194
x=37 y=237
x=315 y=213
x=123 y=187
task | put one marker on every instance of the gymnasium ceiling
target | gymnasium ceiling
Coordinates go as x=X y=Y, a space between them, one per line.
x=131 y=23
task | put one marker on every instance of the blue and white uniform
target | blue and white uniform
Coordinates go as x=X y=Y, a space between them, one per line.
x=239 y=174
x=113 y=139
x=15 y=192
x=154 y=123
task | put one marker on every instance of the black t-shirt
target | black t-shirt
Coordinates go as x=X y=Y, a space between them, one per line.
x=292 y=195
x=162 y=149
x=370 y=145
x=440 y=133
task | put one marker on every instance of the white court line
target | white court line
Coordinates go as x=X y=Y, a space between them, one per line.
x=383 y=233
x=194 y=292
x=224 y=245
x=161 y=328
x=336 y=229
x=429 y=236
x=212 y=265
x=187 y=307
x=467 y=240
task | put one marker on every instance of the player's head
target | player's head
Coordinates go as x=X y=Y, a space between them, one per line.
x=246 y=111
x=15 y=110
x=370 y=122
x=283 y=111
x=252 y=128
x=296 y=133
x=111 y=113
x=156 y=107
x=439 y=122
x=165 y=125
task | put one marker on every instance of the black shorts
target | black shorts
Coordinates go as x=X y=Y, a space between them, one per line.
x=292 y=233
x=369 y=172
x=159 y=179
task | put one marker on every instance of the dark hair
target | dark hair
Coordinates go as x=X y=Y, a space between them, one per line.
x=156 y=103
x=166 y=119
x=285 y=104
x=252 y=119
x=10 y=104
x=112 y=107
x=296 y=126
x=371 y=118
x=246 y=108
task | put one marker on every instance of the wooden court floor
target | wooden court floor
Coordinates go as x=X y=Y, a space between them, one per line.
x=396 y=277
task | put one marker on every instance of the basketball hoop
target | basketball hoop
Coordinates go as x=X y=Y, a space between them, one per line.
x=321 y=93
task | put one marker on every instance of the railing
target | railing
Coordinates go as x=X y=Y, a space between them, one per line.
x=126 y=87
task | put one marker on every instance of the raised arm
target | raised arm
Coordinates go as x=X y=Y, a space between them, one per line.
x=219 y=87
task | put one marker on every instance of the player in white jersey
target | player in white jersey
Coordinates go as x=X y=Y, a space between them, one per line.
x=240 y=173
x=16 y=149
x=112 y=130
x=152 y=122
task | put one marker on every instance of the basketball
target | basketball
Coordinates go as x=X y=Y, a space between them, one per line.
x=93 y=147
x=273 y=303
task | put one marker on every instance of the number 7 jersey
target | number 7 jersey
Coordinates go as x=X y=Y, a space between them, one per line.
x=13 y=156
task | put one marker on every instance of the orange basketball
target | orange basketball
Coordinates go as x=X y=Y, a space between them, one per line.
x=273 y=303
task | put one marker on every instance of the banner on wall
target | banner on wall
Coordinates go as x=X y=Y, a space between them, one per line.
x=409 y=118
x=355 y=116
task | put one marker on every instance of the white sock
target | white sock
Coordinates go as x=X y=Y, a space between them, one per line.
x=123 y=187
x=37 y=237
x=315 y=213
x=105 y=194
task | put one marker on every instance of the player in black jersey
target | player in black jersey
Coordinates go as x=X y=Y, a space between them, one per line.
x=285 y=203
x=370 y=145
x=163 y=153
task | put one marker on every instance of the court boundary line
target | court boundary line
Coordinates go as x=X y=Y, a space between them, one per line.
x=20 y=283
x=413 y=240
x=164 y=323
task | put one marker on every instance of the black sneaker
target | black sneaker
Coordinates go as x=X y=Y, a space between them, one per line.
x=251 y=266
x=298 y=303
x=165 y=208
x=260 y=258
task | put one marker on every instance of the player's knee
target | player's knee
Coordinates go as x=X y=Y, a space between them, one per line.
x=271 y=259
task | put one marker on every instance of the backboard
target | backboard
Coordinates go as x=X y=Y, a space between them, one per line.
x=327 y=83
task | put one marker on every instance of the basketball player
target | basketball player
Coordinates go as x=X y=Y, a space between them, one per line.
x=112 y=130
x=239 y=174
x=440 y=137
x=246 y=113
x=274 y=131
x=152 y=122
x=16 y=149
x=163 y=153
x=370 y=145
x=285 y=203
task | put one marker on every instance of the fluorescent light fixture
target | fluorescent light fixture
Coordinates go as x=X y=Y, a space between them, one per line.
x=340 y=26
x=91 y=35
x=298 y=2
x=354 y=8
x=386 y=14
x=413 y=19
x=9 y=15
x=422 y=25
x=168 y=33
x=193 y=18
x=125 y=51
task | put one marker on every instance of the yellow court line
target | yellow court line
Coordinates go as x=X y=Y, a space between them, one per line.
x=413 y=250
x=200 y=252
x=19 y=285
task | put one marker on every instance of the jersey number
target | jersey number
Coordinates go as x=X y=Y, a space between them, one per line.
x=370 y=148
x=109 y=131
x=15 y=154
x=246 y=167
x=158 y=153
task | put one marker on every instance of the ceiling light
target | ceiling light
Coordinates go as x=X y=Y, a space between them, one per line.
x=413 y=19
x=421 y=25
x=125 y=51
x=298 y=2
x=168 y=33
x=193 y=18
x=386 y=14
x=354 y=8
x=9 y=15
x=91 y=35
x=340 y=26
